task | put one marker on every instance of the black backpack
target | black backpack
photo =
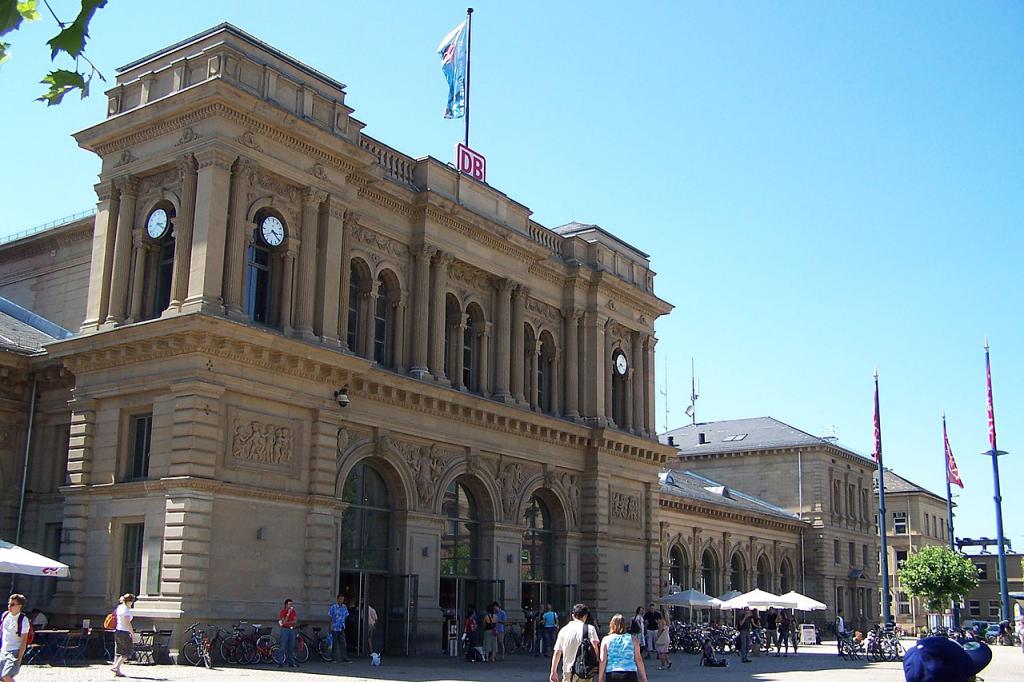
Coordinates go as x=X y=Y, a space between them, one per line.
x=586 y=663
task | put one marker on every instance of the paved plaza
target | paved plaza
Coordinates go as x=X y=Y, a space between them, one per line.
x=1007 y=665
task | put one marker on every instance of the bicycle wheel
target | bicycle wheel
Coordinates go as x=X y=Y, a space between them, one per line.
x=229 y=650
x=276 y=655
x=264 y=645
x=247 y=653
x=323 y=650
x=191 y=652
x=204 y=652
x=301 y=650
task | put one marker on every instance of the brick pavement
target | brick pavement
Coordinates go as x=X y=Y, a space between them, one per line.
x=1007 y=665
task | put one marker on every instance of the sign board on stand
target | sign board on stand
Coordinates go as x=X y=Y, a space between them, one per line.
x=470 y=162
x=808 y=634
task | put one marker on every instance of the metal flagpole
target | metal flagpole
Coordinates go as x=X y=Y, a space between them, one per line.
x=994 y=452
x=882 y=525
x=946 y=455
x=469 y=54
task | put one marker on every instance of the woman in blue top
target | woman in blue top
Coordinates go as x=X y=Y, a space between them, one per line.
x=620 y=655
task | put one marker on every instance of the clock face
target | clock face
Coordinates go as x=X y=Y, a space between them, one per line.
x=272 y=231
x=620 y=364
x=156 y=226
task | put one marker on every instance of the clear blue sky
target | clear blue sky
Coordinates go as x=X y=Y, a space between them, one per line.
x=825 y=187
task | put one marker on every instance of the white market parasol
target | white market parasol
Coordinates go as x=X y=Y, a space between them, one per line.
x=15 y=559
x=758 y=599
x=804 y=603
x=692 y=598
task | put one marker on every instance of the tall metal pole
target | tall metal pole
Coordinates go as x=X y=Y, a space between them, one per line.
x=949 y=510
x=882 y=525
x=994 y=452
x=469 y=55
x=24 y=471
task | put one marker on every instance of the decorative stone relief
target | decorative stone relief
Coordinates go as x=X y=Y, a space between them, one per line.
x=261 y=441
x=426 y=467
x=289 y=195
x=379 y=244
x=471 y=277
x=187 y=135
x=623 y=506
x=318 y=172
x=159 y=183
x=544 y=311
x=570 y=484
x=125 y=158
x=249 y=140
x=510 y=482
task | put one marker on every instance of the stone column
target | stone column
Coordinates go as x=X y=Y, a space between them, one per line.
x=639 y=377
x=348 y=220
x=649 y=398
x=457 y=336
x=73 y=550
x=236 y=251
x=627 y=414
x=437 y=314
x=104 y=229
x=398 y=332
x=518 y=352
x=81 y=441
x=534 y=360
x=572 y=364
x=183 y=233
x=287 y=285
x=305 y=293
x=209 y=232
x=325 y=321
x=369 y=308
x=138 y=287
x=483 y=343
x=556 y=384
x=605 y=369
x=503 y=312
x=129 y=191
x=421 y=311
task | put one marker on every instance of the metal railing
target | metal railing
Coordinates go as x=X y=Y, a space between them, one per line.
x=47 y=226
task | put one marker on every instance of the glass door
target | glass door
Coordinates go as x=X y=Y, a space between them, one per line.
x=402 y=616
x=563 y=597
x=365 y=591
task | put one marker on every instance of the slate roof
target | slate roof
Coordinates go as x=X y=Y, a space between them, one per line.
x=22 y=331
x=743 y=435
x=696 y=487
x=894 y=483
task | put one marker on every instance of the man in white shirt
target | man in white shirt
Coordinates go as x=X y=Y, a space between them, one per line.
x=15 y=628
x=569 y=639
x=371 y=625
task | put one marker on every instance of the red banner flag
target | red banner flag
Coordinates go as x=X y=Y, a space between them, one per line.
x=952 y=472
x=991 y=410
x=878 y=425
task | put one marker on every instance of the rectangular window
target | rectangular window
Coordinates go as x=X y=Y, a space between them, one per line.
x=141 y=432
x=982 y=570
x=904 y=604
x=899 y=523
x=131 y=558
x=853 y=553
x=901 y=556
x=839 y=599
x=835 y=552
x=993 y=608
x=975 y=607
x=864 y=556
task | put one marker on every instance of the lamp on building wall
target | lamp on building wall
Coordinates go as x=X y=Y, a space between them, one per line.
x=425 y=551
x=261 y=533
x=625 y=568
x=508 y=558
x=341 y=395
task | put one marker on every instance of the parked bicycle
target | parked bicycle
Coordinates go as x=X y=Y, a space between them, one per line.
x=516 y=639
x=317 y=642
x=197 y=649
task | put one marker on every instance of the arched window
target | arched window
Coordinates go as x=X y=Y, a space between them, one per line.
x=678 y=571
x=529 y=353
x=786 y=577
x=538 y=542
x=268 y=236
x=383 y=321
x=159 y=272
x=836 y=497
x=360 y=285
x=764 y=575
x=620 y=403
x=366 y=522
x=460 y=544
x=546 y=373
x=736 y=573
x=708 y=573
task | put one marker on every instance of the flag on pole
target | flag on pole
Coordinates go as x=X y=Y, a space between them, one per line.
x=991 y=410
x=454 y=54
x=952 y=472
x=878 y=426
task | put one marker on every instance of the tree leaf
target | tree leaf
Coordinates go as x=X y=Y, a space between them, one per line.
x=10 y=17
x=27 y=10
x=61 y=82
x=3 y=51
x=72 y=38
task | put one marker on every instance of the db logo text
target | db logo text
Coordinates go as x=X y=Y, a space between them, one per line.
x=470 y=162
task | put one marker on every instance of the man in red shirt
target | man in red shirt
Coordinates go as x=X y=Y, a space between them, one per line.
x=288 y=618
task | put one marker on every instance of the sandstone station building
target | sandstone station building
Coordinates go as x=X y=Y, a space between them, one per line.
x=284 y=360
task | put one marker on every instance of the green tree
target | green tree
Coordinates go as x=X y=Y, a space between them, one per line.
x=70 y=40
x=938 y=575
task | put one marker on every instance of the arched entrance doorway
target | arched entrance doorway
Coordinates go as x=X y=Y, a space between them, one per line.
x=460 y=552
x=365 y=556
x=708 y=573
x=538 y=555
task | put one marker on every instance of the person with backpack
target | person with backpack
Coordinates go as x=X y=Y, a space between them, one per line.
x=123 y=643
x=620 y=654
x=577 y=646
x=636 y=627
x=17 y=631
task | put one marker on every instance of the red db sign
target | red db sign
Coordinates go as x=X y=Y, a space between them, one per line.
x=470 y=162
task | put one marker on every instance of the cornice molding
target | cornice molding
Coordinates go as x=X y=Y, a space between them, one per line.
x=708 y=509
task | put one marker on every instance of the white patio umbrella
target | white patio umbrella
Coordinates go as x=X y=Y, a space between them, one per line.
x=803 y=602
x=758 y=599
x=692 y=598
x=15 y=559
x=731 y=594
